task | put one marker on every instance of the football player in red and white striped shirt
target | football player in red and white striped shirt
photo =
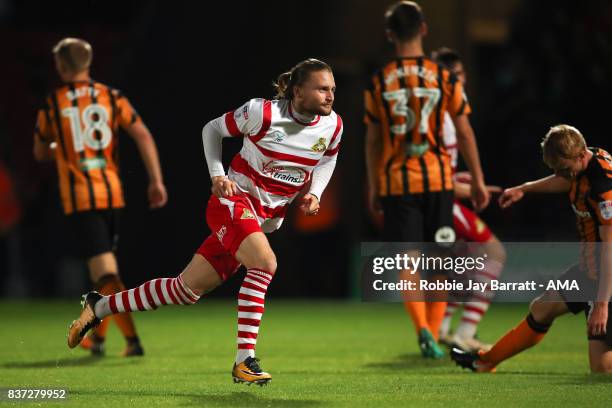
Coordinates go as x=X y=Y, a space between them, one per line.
x=288 y=143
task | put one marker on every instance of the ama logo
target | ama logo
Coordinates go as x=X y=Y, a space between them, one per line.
x=290 y=175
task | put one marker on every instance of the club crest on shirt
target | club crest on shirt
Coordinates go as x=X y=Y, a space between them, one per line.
x=319 y=146
x=247 y=215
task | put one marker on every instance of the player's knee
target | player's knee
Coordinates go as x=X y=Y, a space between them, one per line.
x=602 y=367
x=542 y=311
x=266 y=262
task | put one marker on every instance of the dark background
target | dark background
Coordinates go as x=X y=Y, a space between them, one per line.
x=531 y=64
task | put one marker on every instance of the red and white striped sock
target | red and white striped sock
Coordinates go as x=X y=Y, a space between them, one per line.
x=479 y=302
x=451 y=308
x=148 y=296
x=250 y=309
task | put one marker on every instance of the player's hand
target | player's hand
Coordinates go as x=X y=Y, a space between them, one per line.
x=374 y=201
x=158 y=197
x=479 y=195
x=310 y=204
x=223 y=187
x=510 y=196
x=598 y=319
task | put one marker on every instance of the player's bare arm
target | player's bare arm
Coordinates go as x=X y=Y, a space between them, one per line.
x=466 y=142
x=43 y=151
x=463 y=190
x=148 y=152
x=550 y=184
x=598 y=318
x=373 y=152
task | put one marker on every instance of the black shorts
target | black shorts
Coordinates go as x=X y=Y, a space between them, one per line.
x=426 y=217
x=577 y=302
x=93 y=232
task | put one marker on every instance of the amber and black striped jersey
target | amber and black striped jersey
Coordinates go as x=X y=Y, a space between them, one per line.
x=591 y=199
x=408 y=98
x=83 y=118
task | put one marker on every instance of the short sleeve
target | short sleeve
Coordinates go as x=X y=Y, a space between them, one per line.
x=601 y=198
x=371 y=113
x=334 y=144
x=42 y=129
x=126 y=113
x=247 y=119
x=458 y=104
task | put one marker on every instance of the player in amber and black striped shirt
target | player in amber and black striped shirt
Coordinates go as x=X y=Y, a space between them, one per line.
x=408 y=167
x=77 y=127
x=586 y=174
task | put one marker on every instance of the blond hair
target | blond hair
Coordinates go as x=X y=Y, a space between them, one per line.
x=562 y=142
x=74 y=53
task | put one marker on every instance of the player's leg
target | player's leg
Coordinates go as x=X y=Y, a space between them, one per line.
x=104 y=272
x=529 y=332
x=478 y=302
x=600 y=346
x=600 y=357
x=439 y=231
x=461 y=228
x=255 y=253
x=404 y=223
x=481 y=243
x=148 y=296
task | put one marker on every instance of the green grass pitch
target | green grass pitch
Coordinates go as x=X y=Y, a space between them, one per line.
x=319 y=354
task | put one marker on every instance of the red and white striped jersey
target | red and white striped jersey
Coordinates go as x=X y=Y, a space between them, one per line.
x=450 y=140
x=278 y=155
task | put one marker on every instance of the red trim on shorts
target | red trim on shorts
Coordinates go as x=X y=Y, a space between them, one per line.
x=267 y=212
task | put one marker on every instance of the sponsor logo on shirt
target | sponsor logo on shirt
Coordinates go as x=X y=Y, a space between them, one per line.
x=245 y=113
x=581 y=214
x=605 y=207
x=291 y=175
